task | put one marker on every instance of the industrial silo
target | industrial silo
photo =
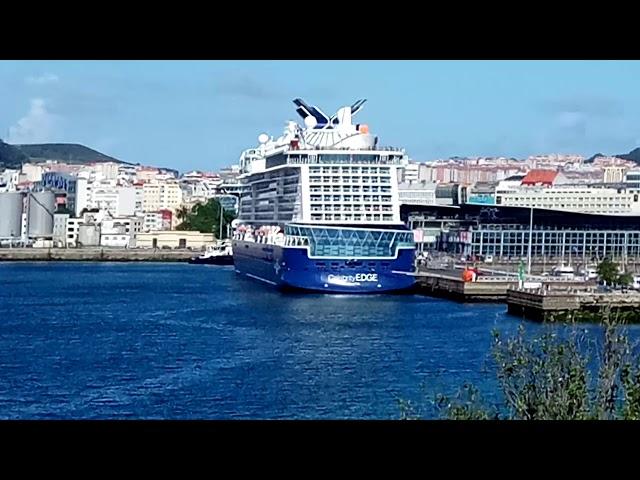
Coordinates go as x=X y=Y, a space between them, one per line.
x=11 y=214
x=41 y=208
x=88 y=235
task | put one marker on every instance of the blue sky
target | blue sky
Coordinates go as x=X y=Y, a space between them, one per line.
x=202 y=114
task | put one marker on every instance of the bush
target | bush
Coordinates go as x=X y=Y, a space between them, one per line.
x=554 y=378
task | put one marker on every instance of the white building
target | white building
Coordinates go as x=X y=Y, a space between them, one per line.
x=165 y=195
x=104 y=171
x=410 y=173
x=9 y=180
x=60 y=222
x=614 y=174
x=88 y=221
x=201 y=189
x=539 y=189
x=82 y=194
x=120 y=231
x=116 y=200
x=417 y=193
x=31 y=172
x=157 y=221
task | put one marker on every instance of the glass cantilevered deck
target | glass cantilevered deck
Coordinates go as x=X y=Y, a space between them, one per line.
x=337 y=242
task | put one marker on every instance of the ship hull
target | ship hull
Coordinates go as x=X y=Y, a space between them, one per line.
x=291 y=268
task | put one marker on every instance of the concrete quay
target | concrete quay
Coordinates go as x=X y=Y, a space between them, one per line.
x=89 y=254
x=487 y=288
x=562 y=304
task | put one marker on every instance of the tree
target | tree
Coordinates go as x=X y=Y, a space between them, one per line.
x=625 y=279
x=205 y=217
x=182 y=212
x=608 y=271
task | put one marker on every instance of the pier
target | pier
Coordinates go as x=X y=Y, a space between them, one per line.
x=95 y=254
x=448 y=283
x=561 y=304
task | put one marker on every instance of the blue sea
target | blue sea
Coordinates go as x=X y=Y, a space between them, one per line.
x=179 y=341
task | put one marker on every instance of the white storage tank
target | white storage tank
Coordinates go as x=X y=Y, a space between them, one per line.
x=11 y=214
x=88 y=235
x=41 y=208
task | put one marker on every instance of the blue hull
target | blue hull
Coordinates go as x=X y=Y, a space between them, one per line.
x=288 y=267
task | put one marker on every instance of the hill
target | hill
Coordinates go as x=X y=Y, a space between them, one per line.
x=10 y=156
x=633 y=155
x=72 y=153
x=13 y=156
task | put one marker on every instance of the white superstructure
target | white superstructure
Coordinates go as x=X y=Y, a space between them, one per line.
x=331 y=172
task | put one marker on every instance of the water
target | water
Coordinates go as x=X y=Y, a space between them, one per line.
x=118 y=340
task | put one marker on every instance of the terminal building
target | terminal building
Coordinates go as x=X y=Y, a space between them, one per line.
x=503 y=232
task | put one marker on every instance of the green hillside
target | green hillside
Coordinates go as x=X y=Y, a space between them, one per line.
x=10 y=156
x=72 y=153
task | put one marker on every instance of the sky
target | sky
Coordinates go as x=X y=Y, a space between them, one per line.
x=201 y=114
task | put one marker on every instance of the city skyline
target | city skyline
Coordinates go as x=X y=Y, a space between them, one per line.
x=201 y=114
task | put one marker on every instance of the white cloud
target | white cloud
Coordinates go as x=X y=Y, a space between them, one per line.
x=42 y=79
x=37 y=126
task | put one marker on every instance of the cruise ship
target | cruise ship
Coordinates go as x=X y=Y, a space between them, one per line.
x=319 y=208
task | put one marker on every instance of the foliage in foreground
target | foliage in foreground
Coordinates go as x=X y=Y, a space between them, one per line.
x=554 y=378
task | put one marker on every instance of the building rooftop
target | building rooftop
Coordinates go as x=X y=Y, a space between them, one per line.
x=540 y=177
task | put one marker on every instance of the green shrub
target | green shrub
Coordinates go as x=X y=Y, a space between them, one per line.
x=551 y=377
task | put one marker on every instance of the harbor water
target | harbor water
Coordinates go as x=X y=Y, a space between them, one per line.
x=177 y=341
